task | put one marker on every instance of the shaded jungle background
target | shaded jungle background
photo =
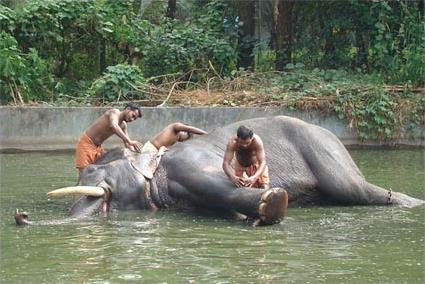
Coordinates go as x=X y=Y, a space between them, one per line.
x=363 y=60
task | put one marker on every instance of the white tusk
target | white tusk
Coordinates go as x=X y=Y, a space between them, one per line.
x=96 y=191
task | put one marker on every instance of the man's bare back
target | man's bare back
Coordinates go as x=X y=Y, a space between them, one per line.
x=175 y=132
x=112 y=122
x=101 y=129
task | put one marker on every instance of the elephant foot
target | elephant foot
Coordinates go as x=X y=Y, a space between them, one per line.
x=272 y=208
x=401 y=199
x=21 y=218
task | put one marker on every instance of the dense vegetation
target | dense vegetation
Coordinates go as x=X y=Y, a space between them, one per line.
x=363 y=60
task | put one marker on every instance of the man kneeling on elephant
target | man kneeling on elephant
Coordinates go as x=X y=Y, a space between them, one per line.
x=245 y=160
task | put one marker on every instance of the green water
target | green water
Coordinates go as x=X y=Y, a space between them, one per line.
x=314 y=245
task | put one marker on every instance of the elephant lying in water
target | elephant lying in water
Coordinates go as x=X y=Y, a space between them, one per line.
x=306 y=163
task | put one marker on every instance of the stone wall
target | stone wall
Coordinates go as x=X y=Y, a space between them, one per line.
x=58 y=128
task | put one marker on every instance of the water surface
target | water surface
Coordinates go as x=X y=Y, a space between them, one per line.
x=357 y=244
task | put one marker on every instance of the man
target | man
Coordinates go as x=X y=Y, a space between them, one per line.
x=175 y=132
x=113 y=121
x=155 y=148
x=249 y=167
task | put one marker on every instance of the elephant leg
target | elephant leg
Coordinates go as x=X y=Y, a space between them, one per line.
x=381 y=196
x=271 y=210
x=355 y=190
x=339 y=179
x=273 y=206
x=269 y=206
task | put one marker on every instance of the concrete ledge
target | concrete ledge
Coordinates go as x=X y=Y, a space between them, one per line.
x=58 y=128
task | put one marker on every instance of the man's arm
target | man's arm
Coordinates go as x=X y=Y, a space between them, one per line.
x=122 y=133
x=189 y=129
x=227 y=168
x=124 y=129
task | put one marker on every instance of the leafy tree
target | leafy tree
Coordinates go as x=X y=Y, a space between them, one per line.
x=23 y=77
x=119 y=82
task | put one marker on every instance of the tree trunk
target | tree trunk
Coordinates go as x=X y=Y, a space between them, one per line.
x=102 y=55
x=247 y=16
x=63 y=57
x=363 y=43
x=171 y=9
x=283 y=18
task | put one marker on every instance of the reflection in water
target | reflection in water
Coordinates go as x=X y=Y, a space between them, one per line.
x=317 y=245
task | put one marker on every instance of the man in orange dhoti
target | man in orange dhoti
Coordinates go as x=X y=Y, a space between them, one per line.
x=112 y=122
x=245 y=160
x=246 y=172
x=87 y=152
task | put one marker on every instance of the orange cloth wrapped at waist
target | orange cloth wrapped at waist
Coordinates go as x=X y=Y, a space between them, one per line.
x=262 y=182
x=87 y=152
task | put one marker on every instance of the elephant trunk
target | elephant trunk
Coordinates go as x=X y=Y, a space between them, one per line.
x=86 y=206
x=21 y=218
x=95 y=199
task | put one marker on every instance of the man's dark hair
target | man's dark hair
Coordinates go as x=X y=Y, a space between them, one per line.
x=134 y=106
x=245 y=132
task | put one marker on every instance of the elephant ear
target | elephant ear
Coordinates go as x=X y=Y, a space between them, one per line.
x=147 y=162
x=95 y=191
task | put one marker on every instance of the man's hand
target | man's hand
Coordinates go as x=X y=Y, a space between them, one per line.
x=249 y=181
x=128 y=146
x=134 y=146
x=238 y=181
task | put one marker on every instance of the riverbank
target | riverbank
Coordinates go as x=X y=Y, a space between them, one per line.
x=58 y=128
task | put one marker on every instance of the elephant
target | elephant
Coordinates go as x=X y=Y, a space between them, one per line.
x=308 y=165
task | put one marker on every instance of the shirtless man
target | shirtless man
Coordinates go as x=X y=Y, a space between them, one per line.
x=249 y=169
x=113 y=121
x=155 y=148
x=175 y=132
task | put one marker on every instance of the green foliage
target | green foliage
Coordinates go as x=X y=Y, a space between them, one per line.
x=182 y=49
x=371 y=36
x=119 y=82
x=374 y=110
x=264 y=58
x=213 y=17
x=7 y=19
x=23 y=77
x=153 y=11
x=11 y=62
x=371 y=113
x=52 y=50
x=125 y=29
x=57 y=29
x=377 y=114
x=398 y=45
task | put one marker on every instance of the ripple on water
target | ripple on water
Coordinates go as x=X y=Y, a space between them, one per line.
x=129 y=276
